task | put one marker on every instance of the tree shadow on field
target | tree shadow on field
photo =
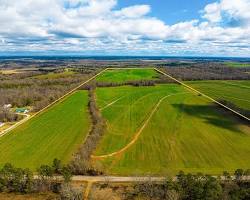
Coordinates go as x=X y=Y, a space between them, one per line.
x=213 y=114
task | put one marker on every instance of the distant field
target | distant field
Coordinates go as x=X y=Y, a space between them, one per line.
x=237 y=92
x=53 y=75
x=56 y=133
x=237 y=64
x=119 y=76
x=187 y=132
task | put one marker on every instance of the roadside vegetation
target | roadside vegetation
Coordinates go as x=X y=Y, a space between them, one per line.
x=182 y=187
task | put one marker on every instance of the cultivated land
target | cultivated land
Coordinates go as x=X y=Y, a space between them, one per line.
x=155 y=130
x=237 y=92
x=119 y=76
x=53 y=75
x=237 y=64
x=183 y=131
x=56 y=133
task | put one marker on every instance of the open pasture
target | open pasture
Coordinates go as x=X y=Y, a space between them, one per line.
x=178 y=130
x=123 y=75
x=53 y=75
x=237 y=64
x=236 y=92
x=55 y=133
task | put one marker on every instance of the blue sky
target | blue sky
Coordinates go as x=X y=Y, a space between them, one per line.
x=171 y=11
x=126 y=27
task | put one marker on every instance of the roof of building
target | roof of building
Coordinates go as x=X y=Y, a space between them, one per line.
x=21 y=109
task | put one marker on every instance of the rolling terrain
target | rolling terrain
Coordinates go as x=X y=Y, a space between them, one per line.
x=157 y=130
x=163 y=129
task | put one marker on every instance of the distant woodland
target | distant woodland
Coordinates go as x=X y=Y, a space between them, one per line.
x=207 y=71
x=36 y=89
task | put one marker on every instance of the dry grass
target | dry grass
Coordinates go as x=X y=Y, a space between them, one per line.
x=42 y=196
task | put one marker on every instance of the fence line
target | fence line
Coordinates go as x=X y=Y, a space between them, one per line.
x=198 y=92
x=4 y=132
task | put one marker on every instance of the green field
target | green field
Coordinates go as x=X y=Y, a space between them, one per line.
x=237 y=92
x=56 y=133
x=237 y=64
x=187 y=132
x=123 y=75
x=53 y=75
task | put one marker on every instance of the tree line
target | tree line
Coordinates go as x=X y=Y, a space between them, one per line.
x=207 y=71
x=182 y=187
x=23 y=90
x=80 y=163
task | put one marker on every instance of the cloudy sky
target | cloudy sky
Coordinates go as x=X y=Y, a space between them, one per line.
x=126 y=27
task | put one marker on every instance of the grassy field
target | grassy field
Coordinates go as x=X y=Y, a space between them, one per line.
x=53 y=75
x=56 y=133
x=35 y=196
x=187 y=132
x=119 y=76
x=237 y=92
x=237 y=64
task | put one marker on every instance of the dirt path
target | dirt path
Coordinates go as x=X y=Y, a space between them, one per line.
x=124 y=179
x=88 y=190
x=111 y=103
x=204 y=95
x=136 y=136
x=2 y=133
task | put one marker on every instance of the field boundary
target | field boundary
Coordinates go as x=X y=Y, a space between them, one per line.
x=4 y=132
x=206 y=96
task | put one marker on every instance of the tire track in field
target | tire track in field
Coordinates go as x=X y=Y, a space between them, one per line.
x=136 y=136
x=133 y=104
x=111 y=103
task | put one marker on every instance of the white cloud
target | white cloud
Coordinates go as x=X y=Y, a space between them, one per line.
x=97 y=25
x=133 y=11
x=237 y=11
x=212 y=12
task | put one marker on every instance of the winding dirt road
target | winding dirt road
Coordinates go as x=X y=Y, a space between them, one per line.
x=136 y=136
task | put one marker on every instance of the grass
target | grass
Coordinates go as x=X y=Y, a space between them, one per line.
x=56 y=133
x=237 y=64
x=187 y=133
x=237 y=92
x=123 y=75
x=35 y=196
x=53 y=75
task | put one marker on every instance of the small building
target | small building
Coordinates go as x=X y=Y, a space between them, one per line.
x=5 y=106
x=1 y=124
x=22 y=110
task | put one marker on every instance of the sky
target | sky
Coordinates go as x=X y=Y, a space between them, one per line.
x=126 y=27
